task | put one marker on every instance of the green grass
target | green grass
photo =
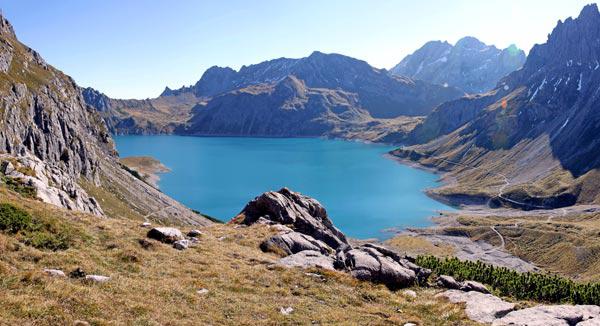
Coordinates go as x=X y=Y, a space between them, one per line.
x=32 y=231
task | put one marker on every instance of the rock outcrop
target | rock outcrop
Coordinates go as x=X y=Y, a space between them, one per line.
x=165 y=234
x=560 y=315
x=308 y=239
x=469 y=65
x=302 y=213
x=480 y=307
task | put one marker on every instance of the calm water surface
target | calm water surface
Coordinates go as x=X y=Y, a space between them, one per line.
x=364 y=192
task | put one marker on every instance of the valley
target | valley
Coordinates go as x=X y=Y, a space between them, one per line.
x=459 y=187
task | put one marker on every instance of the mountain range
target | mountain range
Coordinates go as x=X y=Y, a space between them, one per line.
x=322 y=94
x=469 y=65
x=531 y=142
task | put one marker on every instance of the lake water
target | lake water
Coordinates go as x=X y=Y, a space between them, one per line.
x=364 y=192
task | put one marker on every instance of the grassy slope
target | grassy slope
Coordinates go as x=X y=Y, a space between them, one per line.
x=158 y=286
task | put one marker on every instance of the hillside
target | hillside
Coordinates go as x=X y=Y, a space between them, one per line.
x=532 y=141
x=469 y=65
x=324 y=94
x=57 y=149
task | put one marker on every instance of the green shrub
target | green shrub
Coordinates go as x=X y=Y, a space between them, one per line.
x=47 y=234
x=13 y=219
x=18 y=186
x=523 y=286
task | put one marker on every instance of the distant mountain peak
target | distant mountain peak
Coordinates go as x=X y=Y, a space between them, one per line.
x=470 y=65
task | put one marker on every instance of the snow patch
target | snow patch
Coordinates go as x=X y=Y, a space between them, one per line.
x=580 y=79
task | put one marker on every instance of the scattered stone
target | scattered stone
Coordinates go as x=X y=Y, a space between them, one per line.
x=145 y=244
x=294 y=242
x=410 y=324
x=553 y=316
x=480 y=307
x=77 y=273
x=202 y=291
x=410 y=293
x=194 y=233
x=473 y=286
x=286 y=311
x=181 y=244
x=81 y=323
x=165 y=234
x=54 y=272
x=97 y=278
x=146 y=224
x=306 y=259
x=222 y=238
x=448 y=282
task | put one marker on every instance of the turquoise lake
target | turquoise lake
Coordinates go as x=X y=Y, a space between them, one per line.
x=365 y=193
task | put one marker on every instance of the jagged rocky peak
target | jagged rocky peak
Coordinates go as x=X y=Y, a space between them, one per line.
x=574 y=42
x=95 y=98
x=470 y=65
x=6 y=27
x=215 y=80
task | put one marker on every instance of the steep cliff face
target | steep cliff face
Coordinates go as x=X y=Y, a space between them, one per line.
x=55 y=144
x=469 y=65
x=540 y=130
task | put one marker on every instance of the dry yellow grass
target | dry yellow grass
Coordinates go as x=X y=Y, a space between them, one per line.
x=158 y=286
x=415 y=246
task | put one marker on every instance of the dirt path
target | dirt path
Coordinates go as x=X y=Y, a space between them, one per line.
x=500 y=235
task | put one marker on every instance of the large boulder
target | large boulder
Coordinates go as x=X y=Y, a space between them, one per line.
x=558 y=315
x=306 y=259
x=165 y=234
x=294 y=242
x=380 y=265
x=302 y=213
x=480 y=307
x=448 y=282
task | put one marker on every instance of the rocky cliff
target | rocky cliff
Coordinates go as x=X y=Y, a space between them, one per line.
x=533 y=138
x=470 y=64
x=57 y=146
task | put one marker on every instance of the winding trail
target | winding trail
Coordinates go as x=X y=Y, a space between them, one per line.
x=500 y=235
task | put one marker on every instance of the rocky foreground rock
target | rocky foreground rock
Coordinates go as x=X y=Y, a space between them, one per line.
x=307 y=238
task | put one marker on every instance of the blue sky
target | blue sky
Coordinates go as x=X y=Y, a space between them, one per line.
x=134 y=48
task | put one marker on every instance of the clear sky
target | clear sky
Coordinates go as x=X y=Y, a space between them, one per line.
x=134 y=48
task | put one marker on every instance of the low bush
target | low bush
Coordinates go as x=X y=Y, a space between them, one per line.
x=522 y=286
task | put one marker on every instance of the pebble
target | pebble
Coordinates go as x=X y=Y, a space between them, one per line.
x=54 y=272
x=202 y=291
x=97 y=278
x=286 y=311
x=410 y=293
x=146 y=224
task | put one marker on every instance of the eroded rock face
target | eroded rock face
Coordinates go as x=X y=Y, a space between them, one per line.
x=559 y=315
x=294 y=242
x=480 y=307
x=379 y=265
x=308 y=258
x=302 y=213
